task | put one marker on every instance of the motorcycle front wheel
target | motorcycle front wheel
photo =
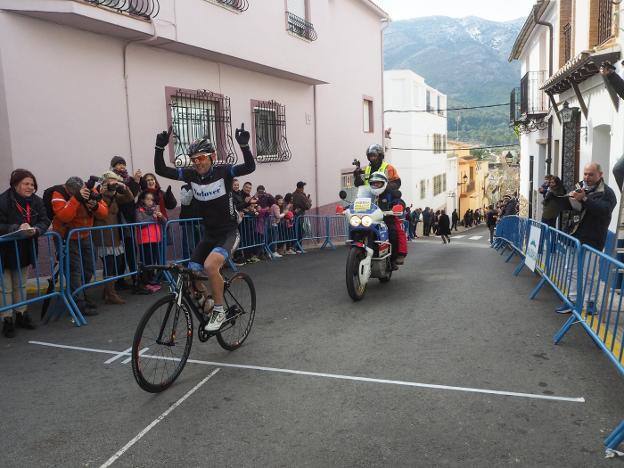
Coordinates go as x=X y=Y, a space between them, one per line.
x=355 y=289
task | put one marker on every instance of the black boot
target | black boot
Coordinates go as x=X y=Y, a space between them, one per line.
x=24 y=321
x=85 y=309
x=8 y=328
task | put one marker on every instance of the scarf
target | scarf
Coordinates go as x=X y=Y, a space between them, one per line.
x=123 y=174
x=23 y=205
x=149 y=210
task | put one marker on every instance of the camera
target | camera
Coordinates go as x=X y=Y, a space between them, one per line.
x=580 y=187
x=356 y=162
x=92 y=181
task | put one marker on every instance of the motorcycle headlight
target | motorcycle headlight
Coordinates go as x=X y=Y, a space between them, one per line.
x=367 y=221
x=355 y=221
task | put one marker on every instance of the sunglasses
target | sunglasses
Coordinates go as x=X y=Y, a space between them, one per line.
x=199 y=159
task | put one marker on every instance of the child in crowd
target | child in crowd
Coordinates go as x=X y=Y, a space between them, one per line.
x=149 y=236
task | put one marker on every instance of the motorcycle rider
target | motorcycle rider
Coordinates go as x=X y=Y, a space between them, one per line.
x=375 y=156
x=214 y=202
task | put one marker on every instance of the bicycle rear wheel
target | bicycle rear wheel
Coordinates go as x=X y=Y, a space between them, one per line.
x=240 y=304
x=162 y=344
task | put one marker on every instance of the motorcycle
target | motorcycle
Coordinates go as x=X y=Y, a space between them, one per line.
x=370 y=249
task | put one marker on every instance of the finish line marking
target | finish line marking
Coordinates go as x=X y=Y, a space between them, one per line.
x=331 y=376
x=138 y=437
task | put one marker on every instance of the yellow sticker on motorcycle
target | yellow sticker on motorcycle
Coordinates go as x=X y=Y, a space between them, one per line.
x=362 y=204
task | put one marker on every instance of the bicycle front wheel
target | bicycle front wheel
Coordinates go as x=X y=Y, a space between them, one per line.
x=240 y=303
x=162 y=344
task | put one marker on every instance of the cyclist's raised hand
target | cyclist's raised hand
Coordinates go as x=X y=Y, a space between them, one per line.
x=162 y=139
x=242 y=136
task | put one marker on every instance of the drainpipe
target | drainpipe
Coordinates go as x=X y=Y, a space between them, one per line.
x=384 y=24
x=316 y=168
x=550 y=73
x=550 y=41
x=125 y=78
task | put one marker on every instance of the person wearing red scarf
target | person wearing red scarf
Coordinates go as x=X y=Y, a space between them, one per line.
x=20 y=209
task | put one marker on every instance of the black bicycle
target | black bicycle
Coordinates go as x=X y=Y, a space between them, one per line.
x=163 y=339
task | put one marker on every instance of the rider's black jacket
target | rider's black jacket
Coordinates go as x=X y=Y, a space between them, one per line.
x=212 y=192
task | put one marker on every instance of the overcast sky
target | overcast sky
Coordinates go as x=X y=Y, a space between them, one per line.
x=496 y=10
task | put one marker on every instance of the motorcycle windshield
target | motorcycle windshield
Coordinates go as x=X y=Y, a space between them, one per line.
x=365 y=200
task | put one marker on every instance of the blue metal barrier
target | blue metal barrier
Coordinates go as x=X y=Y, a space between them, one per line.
x=46 y=250
x=181 y=236
x=280 y=232
x=337 y=228
x=588 y=281
x=253 y=234
x=85 y=252
x=311 y=228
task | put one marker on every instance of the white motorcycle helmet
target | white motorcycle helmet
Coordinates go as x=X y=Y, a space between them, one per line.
x=378 y=183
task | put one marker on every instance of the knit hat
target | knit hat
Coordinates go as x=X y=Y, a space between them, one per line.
x=20 y=174
x=117 y=160
x=111 y=175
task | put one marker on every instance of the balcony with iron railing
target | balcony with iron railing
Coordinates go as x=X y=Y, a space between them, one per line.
x=142 y=8
x=533 y=101
x=237 y=5
x=300 y=27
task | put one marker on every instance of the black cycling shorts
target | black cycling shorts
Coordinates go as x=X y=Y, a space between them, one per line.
x=223 y=244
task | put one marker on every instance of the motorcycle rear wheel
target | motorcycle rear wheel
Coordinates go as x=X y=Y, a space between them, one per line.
x=354 y=288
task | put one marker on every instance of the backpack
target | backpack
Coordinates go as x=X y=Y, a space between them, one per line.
x=47 y=198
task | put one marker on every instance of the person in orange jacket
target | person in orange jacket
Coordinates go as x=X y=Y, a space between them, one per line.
x=76 y=206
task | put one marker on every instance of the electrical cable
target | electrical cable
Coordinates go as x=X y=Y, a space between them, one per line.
x=445 y=110
x=458 y=149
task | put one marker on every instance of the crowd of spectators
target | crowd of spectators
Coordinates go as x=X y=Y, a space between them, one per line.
x=117 y=197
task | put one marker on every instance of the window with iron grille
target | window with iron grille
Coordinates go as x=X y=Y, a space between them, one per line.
x=438 y=143
x=444 y=182
x=198 y=114
x=429 y=107
x=605 y=20
x=423 y=189
x=270 y=131
x=437 y=185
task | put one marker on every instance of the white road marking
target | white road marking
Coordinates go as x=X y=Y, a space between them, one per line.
x=125 y=448
x=457 y=237
x=335 y=376
x=475 y=237
x=120 y=355
x=141 y=353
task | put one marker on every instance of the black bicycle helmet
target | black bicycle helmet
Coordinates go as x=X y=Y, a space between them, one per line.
x=375 y=149
x=201 y=145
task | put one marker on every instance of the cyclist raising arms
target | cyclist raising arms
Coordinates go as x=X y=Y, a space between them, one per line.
x=212 y=193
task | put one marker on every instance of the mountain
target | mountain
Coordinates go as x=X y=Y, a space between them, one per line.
x=466 y=59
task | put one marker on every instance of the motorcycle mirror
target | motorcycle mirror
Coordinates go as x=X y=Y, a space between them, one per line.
x=342 y=195
x=339 y=209
x=397 y=209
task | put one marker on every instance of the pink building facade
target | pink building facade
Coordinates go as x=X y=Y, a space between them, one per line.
x=80 y=83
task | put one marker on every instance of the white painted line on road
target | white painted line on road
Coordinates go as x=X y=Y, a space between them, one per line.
x=138 y=437
x=120 y=355
x=475 y=238
x=336 y=376
x=141 y=353
x=457 y=237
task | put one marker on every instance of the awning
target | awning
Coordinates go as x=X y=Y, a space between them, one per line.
x=578 y=69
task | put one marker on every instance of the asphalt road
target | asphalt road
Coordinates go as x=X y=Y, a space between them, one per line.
x=449 y=364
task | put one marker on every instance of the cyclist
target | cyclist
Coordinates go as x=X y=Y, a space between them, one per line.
x=398 y=239
x=213 y=201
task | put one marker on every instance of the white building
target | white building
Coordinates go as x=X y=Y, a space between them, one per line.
x=416 y=113
x=84 y=80
x=564 y=72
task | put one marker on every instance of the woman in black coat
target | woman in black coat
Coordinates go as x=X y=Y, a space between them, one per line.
x=20 y=210
x=444 y=227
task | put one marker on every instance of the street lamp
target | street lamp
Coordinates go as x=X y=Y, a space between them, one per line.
x=567 y=112
x=509 y=157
